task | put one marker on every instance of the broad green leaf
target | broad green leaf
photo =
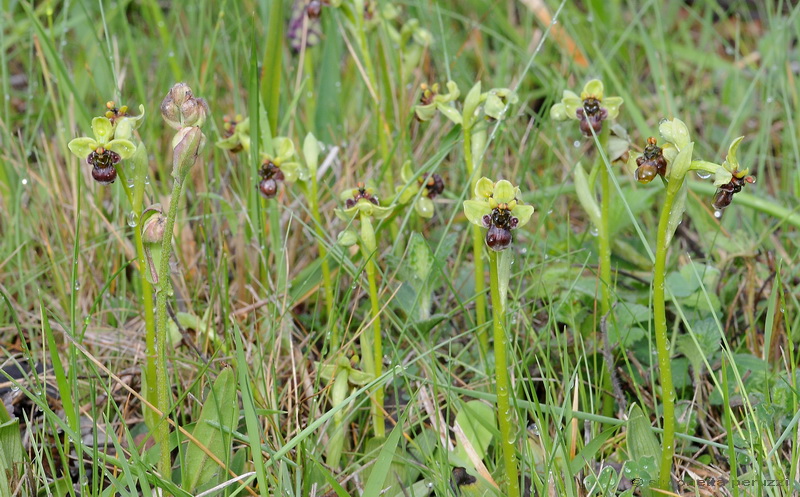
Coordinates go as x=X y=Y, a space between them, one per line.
x=641 y=440
x=477 y=421
x=220 y=408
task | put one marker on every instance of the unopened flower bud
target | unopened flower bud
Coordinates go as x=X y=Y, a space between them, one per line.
x=180 y=108
x=186 y=147
x=153 y=228
x=194 y=112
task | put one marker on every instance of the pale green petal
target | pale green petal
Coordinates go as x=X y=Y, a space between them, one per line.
x=102 y=129
x=425 y=112
x=449 y=112
x=346 y=214
x=406 y=173
x=676 y=132
x=452 y=93
x=284 y=148
x=347 y=238
x=123 y=128
x=731 y=163
x=612 y=105
x=484 y=188
x=679 y=168
x=245 y=139
x=311 y=151
x=504 y=192
x=229 y=143
x=346 y=194
x=379 y=212
x=82 y=146
x=523 y=213
x=669 y=152
x=558 y=112
x=359 y=378
x=424 y=207
x=722 y=177
x=569 y=94
x=124 y=148
x=406 y=192
x=326 y=371
x=471 y=102
x=593 y=88
x=291 y=171
x=475 y=210
x=571 y=106
x=494 y=107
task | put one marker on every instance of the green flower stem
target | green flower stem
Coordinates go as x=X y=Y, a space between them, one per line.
x=276 y=244
x=312 y=194
x=477 y=251
x=372 y=347
x=603 y=231
x=604 y=255
x=662 y=341
x=146 y=295
x=163 y=291
x=504 y=412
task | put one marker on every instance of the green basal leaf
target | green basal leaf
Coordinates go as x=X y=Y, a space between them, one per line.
x=218 y=418
x=477 y=421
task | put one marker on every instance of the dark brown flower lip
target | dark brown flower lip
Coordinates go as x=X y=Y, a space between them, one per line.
x=360 y=193
x=102 y=158
x=724 y=194
x=650 y=163
x=434 y=184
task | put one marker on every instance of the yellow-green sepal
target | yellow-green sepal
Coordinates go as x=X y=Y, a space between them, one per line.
x=593 y=89
x=475 y=210
x=83 y=146
x=103 y=130
x=675 y=132
x=124 y=148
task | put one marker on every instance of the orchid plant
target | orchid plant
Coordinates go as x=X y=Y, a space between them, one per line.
x=497 y=207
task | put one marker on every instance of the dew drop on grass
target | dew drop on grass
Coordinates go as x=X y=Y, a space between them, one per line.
x=133 y=219
x=24 y=181
x=576 y=143
x=130 y=182
x=770 y=100
x=147 y=180
x=717 y=214
x=77 y=285
x=594 y=232
x=703 y=174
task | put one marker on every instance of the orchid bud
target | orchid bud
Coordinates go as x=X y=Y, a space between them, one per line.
x=186 y=147
x=180 y=108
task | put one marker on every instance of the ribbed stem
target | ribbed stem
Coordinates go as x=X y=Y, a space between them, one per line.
x=662 y=343
x=164 y=289
x=505 y=414
x=477 y=251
